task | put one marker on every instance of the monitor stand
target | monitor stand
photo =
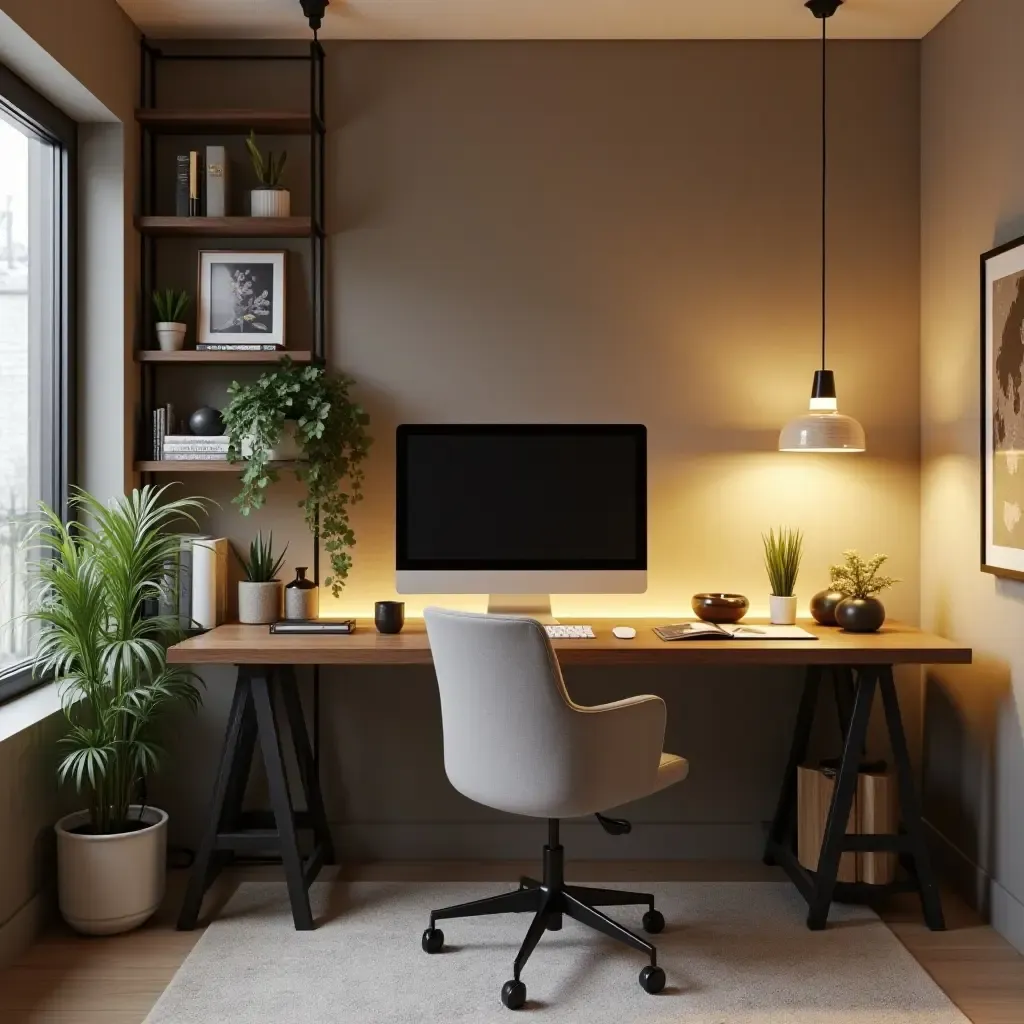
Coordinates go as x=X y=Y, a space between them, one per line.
x=523 y=606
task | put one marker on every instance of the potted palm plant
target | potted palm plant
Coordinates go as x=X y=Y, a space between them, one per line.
x=171 y=304
x=270 y=199
x=782 y=555
x=94 y=583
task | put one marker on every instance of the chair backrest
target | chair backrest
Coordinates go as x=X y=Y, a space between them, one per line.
x=510 y=736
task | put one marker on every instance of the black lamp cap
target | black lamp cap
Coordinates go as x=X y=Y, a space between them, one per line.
x=823 y=8
x=314 y=10
x=824 y=384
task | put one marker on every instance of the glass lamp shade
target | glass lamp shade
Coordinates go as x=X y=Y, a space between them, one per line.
x=823 y=428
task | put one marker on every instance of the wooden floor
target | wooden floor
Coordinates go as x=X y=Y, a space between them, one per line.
x=66 y=979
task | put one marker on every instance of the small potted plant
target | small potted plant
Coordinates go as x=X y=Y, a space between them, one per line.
x=315 y=408
x=92 y=588
x=259 y=594
x=782 y=554
x=858 y=580
x=171 y=304
x=270 y=199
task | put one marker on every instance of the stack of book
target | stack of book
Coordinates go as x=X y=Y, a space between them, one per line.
x=202 y=183
x=193 y=448
x=163 y=424
x=198 y=582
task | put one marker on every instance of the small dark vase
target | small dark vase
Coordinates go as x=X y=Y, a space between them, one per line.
x=389 y=616
x=860 y=614
x=823 y=606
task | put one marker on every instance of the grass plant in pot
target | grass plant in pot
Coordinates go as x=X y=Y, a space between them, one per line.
x=259 y=594
x=782 y=554
x=171 y=304
x=92 y=587
x=331 y=432
x=270 y=199
x=858 y=580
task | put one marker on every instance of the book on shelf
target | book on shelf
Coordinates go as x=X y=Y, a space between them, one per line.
x=209 y=582
x=195 y=183
x=196 y=443
x=245 y=346
x=195 y=456
x=216 y=181
x=181 y=185
x=163 y=423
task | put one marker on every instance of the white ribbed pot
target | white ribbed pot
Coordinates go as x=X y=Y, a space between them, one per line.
x=271 y=202
x=111 y=884
x=782 y=610
x=259 y=604
x=170 y=336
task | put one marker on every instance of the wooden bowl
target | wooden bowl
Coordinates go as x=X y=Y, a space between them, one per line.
x=719 y=607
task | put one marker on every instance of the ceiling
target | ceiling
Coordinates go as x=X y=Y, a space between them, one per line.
x=535 y=19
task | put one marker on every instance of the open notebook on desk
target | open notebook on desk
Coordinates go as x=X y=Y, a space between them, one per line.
x=713 y=631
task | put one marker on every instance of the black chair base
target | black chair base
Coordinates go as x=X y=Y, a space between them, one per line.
x=548 y=900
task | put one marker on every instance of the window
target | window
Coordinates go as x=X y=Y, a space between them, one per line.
x=37 y=144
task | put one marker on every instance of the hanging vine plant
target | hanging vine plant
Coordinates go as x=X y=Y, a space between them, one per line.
x=330 y=430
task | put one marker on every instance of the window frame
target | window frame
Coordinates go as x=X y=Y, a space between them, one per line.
x=38 y=118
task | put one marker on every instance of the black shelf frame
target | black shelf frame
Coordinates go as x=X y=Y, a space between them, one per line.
x=150 y=57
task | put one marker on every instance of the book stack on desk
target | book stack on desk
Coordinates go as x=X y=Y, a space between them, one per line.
x=324 y=627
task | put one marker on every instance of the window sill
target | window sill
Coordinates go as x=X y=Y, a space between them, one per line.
x=29 y=709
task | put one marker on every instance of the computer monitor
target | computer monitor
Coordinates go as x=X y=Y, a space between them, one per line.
x=521 y=511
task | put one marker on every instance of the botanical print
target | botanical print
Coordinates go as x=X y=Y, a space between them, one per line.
x=241 y=297
x=1007 y=465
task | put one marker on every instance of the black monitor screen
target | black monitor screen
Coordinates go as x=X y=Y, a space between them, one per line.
x=522 y=497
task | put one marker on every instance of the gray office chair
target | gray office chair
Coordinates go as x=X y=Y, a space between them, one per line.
x=514 y=740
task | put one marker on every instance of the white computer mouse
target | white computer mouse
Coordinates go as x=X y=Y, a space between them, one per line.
x=624 y=632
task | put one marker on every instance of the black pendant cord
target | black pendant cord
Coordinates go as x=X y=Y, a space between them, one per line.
x=824 y=185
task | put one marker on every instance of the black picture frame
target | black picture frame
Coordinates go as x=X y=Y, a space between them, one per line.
x=996 y=266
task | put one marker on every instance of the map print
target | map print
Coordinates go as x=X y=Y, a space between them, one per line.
x=1007 y=467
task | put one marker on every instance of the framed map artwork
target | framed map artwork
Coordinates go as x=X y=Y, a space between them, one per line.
x=1002 y=410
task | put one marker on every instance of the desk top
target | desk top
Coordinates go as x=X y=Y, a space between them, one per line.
x=894 y=644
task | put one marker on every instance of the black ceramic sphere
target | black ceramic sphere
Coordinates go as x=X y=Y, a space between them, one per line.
x=823 y=606
x=206 y=422
x=719 y=607
x=860 y=614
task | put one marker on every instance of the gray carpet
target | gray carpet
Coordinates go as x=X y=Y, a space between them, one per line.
x=734 y=952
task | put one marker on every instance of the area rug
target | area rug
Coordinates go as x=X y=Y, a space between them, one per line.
x=734 y=952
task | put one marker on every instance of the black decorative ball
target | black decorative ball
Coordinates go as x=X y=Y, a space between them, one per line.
x=206 y=422
x=823 y=606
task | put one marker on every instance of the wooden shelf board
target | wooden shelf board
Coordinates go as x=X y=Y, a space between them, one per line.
x=240 y=122
x=226 y=227
x=192 y=356
x=205 y=466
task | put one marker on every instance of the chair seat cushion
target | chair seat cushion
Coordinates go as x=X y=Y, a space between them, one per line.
x=671 y=769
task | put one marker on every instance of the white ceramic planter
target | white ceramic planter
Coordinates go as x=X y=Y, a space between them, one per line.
x=271 y=202
x=111 y=884
x=782 y=610
x=287 y=448
x=259 y=603
x=170 y=336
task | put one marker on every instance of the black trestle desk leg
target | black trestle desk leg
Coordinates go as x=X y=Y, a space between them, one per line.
x=264 y=682
x=842 y=801
x=207 y=861
x=307 y=763
x=910 y=806
x=781 y=828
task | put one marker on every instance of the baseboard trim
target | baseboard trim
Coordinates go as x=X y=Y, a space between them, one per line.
x=583 y=840
x=969 y=881
x=18 y=933
x=1008 y=916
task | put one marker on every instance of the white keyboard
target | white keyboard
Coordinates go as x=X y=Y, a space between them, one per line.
x=570 y=632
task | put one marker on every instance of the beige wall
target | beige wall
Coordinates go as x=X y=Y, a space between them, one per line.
x=608 y=232
x=972 y=199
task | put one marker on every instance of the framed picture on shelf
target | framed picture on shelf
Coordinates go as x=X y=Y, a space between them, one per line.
x=1002 y=411
x=241 y=297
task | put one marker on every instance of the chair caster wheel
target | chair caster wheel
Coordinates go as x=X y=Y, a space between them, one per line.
x=513 y=994
x=652 y=980
x=433 y=940
x=653 y=922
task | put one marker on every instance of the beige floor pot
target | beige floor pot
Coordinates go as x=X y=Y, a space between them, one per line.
x=111 y=884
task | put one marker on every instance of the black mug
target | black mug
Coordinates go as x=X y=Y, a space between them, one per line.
x=389 y=616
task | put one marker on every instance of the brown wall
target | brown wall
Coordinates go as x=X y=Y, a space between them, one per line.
x=609 y=232
x=972 y=199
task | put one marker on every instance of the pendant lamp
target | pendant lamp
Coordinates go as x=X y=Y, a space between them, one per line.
x=823 y=428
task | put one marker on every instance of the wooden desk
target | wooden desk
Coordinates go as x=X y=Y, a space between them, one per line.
x=857 y=666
